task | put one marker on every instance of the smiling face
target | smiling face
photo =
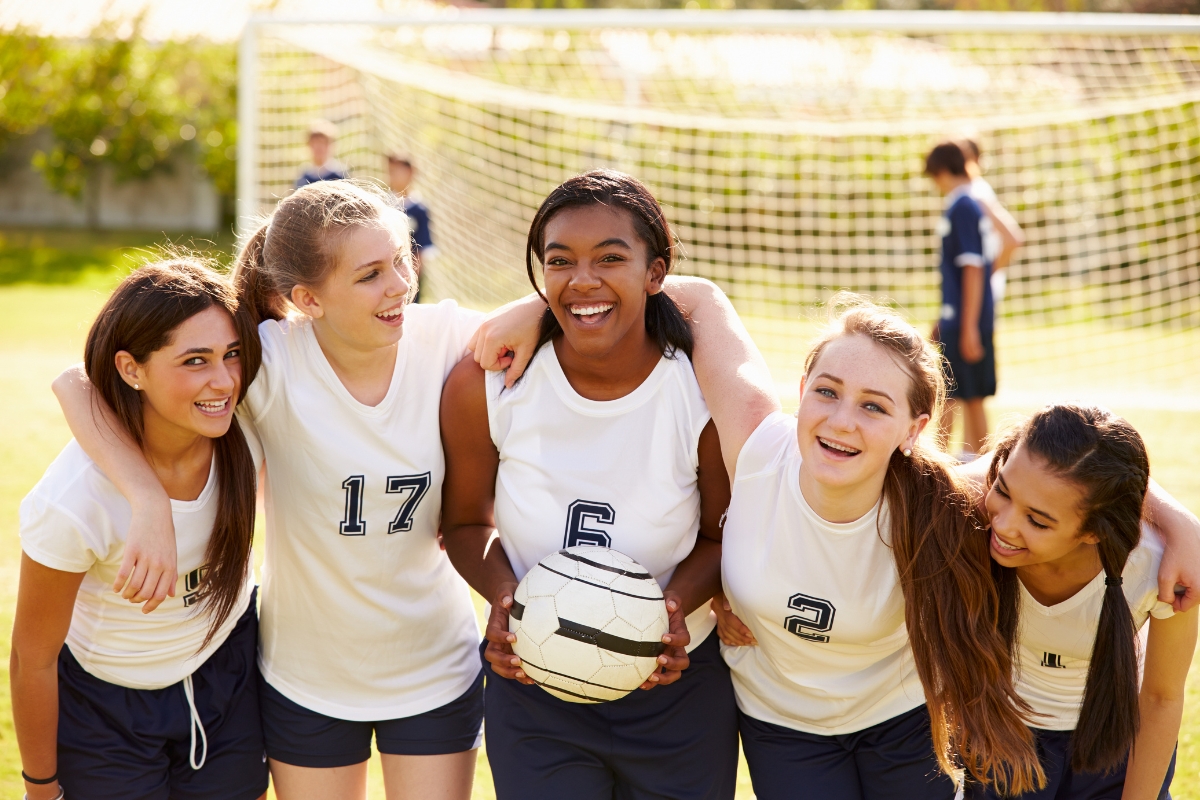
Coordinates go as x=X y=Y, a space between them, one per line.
x=854 y=414
x=192 y=384
x=1035 y=513
x=598 y=276
x=362 y=300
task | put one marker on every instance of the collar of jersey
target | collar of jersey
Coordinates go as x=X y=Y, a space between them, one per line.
x=867 y=522
x=599 y=408
x=334 y=383
x=210 y=486
x=957 y=192
x=1089 y=593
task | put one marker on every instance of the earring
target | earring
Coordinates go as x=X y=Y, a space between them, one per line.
x=136 y=387
x=907 y=452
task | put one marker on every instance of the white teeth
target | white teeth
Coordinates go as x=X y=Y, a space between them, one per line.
x=833 y=446
x=1002 y=544
x=395 y=312
x=212 y=406
x=587 y=311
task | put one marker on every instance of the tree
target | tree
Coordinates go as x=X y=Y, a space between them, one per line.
x=26 y=72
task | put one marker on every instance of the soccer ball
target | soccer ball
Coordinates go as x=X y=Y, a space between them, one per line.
x=589 y=623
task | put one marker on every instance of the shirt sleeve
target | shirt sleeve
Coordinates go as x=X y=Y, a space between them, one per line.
x=770 y=442
x=964 y=232
x=55 y=538
x=466 y=322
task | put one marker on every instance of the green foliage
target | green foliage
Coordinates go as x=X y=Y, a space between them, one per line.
x=119 y=103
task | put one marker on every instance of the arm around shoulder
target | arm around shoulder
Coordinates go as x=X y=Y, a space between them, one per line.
x=733 y=376
x=148 y=570
x=1180 y=531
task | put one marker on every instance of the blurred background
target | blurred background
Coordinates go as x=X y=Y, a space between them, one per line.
x=786 y=149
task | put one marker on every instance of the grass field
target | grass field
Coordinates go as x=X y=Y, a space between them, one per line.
x=42 y=328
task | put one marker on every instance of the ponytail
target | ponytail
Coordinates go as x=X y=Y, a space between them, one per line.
x=666 y=323
x=1104 y=455
x=258 y=299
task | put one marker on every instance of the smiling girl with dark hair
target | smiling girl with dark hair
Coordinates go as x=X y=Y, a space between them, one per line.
x=137 y=705
x=609 y=413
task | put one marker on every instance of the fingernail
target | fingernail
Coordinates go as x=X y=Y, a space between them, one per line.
x=520 y=674
x=511 y=638
x=662 y=660
x=654 y=679
x=516 y=662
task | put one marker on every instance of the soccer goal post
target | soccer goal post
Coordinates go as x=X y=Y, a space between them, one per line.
x=787 y=150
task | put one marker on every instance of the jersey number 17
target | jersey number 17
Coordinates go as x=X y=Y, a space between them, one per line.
x=411 y=488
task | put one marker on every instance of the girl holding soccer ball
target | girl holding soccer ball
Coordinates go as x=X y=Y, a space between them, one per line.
x=1077 y=578
x=138 y=705
x=605 y=440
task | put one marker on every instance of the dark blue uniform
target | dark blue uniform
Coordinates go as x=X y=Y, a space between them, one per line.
x=962 y=248
x=677 y=741
x=136 y=744
x=329 y=171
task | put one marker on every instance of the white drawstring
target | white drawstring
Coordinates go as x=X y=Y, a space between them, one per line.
x=190 y=694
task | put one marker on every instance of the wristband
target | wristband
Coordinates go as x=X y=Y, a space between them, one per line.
x=62 y=793
x=41 y=781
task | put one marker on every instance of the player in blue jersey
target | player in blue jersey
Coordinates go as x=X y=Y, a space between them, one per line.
x=400 y=177
x=324 y=167
x=966 y=320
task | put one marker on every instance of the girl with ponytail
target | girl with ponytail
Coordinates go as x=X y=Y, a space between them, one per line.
x=1076 y=571
x=137 y=705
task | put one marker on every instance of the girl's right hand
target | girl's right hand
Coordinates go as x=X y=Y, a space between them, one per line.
x=149 y=567
x=731 y=630
x=499 y=652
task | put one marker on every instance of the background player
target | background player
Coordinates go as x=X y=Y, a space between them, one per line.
x=136 y=705
x=1002 y=236
x=322 y=135
x=1079 y=577
x=400 y=177
x=965 y=324
x=556 y=453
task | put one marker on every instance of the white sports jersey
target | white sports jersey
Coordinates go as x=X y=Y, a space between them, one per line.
x=363 y=616
x=1056 y=641
x=616 y=473
x=75 y=520
x=822 y=599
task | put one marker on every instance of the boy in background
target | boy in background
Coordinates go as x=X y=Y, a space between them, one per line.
x=1004 y=236
x=400 y=177
x=967 y=316
x=324 y=167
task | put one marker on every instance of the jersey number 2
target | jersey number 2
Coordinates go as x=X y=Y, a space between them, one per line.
x=814 y=618
x=412 y=488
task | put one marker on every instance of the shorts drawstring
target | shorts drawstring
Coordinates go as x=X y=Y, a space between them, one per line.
x=196 y=725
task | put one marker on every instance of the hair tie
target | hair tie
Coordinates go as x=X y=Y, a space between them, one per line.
x=1110 y=581
x=39 y=781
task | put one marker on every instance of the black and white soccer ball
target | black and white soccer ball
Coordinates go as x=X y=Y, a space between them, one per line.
x=589 y=623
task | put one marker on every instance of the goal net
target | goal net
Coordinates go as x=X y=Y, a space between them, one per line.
x=787 y=149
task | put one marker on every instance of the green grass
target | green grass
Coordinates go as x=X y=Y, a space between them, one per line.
x=42 y=329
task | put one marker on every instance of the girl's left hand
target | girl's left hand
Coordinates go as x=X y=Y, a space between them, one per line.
x=674 y=660
x=507 y=338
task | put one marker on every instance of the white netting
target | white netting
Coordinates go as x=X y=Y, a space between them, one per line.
x=790 y=165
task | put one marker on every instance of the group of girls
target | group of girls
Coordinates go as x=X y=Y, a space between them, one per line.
x=880 y=635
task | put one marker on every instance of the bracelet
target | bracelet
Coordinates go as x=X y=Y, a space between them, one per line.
x=41 y=781
x=62 y=793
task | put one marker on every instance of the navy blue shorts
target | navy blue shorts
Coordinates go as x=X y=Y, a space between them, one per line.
x=968 y=381
x=677 y=741
x=305 y=738
x=135 y=744
x=892 y=760
x=1062 y=783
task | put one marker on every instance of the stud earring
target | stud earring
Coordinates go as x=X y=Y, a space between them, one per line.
x=136 y=387
x=907 y=453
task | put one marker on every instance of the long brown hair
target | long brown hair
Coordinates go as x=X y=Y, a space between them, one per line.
x=141 y=317
x=665 y=322
x=1103 y=455
x=298 y=243
x=951 y=602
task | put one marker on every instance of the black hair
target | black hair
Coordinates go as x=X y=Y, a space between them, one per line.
x=1106 y=458
x=665 y=322
x=946 y=157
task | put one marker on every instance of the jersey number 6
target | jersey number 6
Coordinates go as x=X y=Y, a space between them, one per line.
x=579 y=514
x=412 y=489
